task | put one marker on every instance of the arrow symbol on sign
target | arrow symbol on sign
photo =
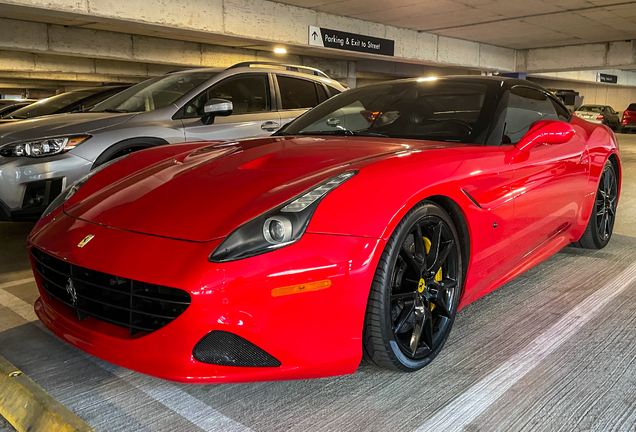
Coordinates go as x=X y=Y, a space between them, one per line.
x=315 y=35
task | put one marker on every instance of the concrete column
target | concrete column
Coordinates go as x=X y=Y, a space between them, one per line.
x=351 y=75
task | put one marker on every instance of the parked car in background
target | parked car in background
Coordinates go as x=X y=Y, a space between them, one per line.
x=602 y=114
x=7 y=106
x=40 y=158
x=628 y=122
x=73 y=101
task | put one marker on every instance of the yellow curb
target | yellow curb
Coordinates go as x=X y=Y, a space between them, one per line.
x=29 y=408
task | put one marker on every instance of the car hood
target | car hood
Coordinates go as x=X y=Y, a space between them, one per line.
x=206 y=193
x=59 y=124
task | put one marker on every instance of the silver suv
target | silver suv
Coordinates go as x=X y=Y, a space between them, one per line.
x=40 y=157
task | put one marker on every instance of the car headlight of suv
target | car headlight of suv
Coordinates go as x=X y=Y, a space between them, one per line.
x=278 y=227
x=42 y=147
x=74 y=187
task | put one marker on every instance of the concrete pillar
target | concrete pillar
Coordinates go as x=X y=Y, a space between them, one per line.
x=351 y=75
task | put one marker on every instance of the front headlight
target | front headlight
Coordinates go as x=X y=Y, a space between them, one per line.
x=42 y=147
x=278 y=227
x=74 y=187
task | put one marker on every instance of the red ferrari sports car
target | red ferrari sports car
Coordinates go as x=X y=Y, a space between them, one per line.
x=362 y=226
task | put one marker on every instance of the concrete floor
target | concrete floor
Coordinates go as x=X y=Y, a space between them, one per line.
x=554 y=350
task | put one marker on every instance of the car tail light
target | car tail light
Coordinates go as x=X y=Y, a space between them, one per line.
x=624 y=121
x=600 y=117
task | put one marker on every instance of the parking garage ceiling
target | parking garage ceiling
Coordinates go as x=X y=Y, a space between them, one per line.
x=507 y=23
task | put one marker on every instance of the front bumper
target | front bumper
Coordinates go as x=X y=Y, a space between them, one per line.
x=28 y=185
x=312 y=334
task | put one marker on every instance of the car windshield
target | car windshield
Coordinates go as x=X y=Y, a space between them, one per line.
x=5 y=111
x=51 y=105
x=591 y=108
x=440 y=110
x=154 y=93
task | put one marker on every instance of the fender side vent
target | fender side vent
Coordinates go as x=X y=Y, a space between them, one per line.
x=471 y=198
x=227 y=349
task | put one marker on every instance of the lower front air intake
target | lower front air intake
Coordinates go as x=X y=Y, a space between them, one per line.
x=227 y=349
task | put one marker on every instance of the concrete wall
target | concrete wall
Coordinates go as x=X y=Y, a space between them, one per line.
x=625 y=78
x=616 y=96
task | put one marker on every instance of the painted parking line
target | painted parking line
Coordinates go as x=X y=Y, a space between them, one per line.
x=16 y=283
x=471 y=404
x=16 y=304
x=165 y=393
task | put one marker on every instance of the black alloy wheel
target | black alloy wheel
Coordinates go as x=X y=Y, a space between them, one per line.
x=601 y=224
x=416 y=290
x=606 y=200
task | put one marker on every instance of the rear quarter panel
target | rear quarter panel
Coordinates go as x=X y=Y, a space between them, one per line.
x=601 y=143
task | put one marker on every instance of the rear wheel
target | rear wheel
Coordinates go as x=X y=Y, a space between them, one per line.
x=415 y=291
x=601 y=224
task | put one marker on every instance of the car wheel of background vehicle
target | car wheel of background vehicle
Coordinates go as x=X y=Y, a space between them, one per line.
x=415 y=291
x=601 y=223
x=125 y=151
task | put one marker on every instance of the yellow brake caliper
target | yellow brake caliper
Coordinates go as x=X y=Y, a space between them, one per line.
x=438 y=276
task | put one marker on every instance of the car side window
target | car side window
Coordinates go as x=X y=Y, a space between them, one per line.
x=561 y=111
x=322 y=94
x=297 y=93
x=334 y=91
x=526 y=106
x=248 y=94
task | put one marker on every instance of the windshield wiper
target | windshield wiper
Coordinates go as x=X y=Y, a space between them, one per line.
x=110 y=110
x=344 y=132
x=369 y=134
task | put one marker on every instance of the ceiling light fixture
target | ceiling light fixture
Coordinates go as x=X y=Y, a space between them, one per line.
x=280 y=50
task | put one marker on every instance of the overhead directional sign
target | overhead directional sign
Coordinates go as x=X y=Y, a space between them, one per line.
x=322 y=37
x=606 y=78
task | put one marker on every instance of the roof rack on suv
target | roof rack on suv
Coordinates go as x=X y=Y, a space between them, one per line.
x=292 y=68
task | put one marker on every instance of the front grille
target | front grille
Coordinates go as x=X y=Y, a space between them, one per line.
x=228 y=349
x=137 y=306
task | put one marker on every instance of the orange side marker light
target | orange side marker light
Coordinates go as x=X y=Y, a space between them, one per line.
x=295 y=289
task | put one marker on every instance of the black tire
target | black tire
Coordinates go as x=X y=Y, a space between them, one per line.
x=125 y=151
x=398 y=306
x=601 y=223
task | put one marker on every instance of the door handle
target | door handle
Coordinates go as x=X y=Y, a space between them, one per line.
x=270 y=126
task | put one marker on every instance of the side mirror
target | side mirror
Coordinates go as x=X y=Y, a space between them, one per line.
x=216 y=107
x=546 y=132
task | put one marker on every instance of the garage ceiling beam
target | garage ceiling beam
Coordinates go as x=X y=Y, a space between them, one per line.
x=57 y=76
x=612 y=55
x=21 y=63
x=255 y=24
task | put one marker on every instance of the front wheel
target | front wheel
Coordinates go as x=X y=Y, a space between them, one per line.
x=601 y=224
x=415 y=292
